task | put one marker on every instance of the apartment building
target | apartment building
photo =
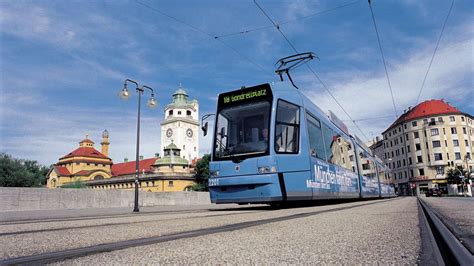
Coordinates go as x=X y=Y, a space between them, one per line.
x=424 y=142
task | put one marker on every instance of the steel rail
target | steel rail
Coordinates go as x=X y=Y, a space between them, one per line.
x=56 y=256
x=119 y=223
x=452 y=251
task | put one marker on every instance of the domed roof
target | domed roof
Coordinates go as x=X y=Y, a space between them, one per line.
x=172 y=146
x=426 y=109
x=180 y=91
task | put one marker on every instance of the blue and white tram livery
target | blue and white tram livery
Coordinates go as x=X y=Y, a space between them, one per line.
x=272 y=144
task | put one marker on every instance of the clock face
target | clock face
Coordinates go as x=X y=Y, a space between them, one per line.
x=189 y=132
x=169 y=132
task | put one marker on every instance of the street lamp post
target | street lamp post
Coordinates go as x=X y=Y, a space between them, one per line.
x=124 y=94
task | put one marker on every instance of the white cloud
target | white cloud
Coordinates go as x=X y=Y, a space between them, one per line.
x=366 y=94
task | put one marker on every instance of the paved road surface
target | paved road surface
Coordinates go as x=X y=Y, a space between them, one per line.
x=379 y=231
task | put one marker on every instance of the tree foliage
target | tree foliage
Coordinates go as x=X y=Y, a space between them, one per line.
x=202 y=174
x=21 y=173
x=455 y=175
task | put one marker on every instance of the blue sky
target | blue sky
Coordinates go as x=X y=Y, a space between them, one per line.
x=62 y=63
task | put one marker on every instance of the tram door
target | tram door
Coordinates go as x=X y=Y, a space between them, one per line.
x=293 y=164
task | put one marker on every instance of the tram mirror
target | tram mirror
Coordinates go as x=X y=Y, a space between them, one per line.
x=204 y=129
x=222 y=132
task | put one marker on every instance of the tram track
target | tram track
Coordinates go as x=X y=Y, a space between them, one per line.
x=56 y=256
x=440 y=245
x=118 y=223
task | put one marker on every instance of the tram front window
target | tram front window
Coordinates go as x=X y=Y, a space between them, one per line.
x=242 y=131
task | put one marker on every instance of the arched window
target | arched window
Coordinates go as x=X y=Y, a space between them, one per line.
x=98 y=177
x=188 y=112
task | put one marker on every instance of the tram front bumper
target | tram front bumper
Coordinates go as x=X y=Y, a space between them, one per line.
x=259 y=188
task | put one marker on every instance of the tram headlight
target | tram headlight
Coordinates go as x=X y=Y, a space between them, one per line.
x=214 y=173
x=266 y=169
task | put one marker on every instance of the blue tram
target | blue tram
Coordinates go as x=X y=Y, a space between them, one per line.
x=272 y=144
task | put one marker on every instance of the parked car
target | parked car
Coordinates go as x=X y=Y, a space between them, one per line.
x=433 y=192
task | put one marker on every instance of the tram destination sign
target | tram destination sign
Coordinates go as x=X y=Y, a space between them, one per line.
x=257 y=93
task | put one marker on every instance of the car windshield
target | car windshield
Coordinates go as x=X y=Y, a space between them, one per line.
x=242 y=131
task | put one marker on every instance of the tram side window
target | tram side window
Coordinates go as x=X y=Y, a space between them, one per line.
x=316 y=143
x=338 y=149
x=367 y=164
x=287 y=128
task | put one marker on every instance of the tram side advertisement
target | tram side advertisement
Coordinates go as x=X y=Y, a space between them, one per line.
x=329 y=177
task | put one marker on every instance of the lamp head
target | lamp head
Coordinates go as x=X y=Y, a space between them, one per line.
x=124 y=94
x=152 y=102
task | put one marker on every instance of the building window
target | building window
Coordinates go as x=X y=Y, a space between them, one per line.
x=171 y=112
x=436 y=144
x=425 y=121
x=451 y=118
x=440 y=119
x=170 y=184
x=411 y=172
x=464 y=130
x=440 y=170
x=416 y=135
x=392 y=154
x=409 y=161
x=457 y=155
x=419 y=159
x=408 y=148
x=179 y=112
x=194 y=148
x=188 y=112
x=403 y=152
x=438 y=156
x=453 y=130
x=77 y=163
x=462 y=118
x=456 y=143
x=421 y=171
x=404 y=162
x=414 y=123
x=434 y=132
x=418 y=146
x=466 y=142
x=405 y=126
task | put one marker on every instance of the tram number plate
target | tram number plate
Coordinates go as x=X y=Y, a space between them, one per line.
x=213 y=182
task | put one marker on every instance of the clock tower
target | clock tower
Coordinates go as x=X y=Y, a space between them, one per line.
x=181 y=125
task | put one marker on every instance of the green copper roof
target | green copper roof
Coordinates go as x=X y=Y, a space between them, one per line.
x=180 y=91
x=172 y=146
x=180 y=99
x=171 y=160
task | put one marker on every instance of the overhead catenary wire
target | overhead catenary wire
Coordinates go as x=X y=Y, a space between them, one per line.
x=288 y=21
x=383 y=60
x=434 y=53
x=309 y=67
x=205 y=33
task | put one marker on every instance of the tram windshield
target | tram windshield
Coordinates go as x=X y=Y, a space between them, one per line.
x=242 y=131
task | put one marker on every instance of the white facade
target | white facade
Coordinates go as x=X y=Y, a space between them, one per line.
x=181 y=125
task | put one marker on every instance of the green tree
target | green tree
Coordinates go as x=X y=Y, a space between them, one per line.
x=21 y=173
x=455 y=175
x=202 y=174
